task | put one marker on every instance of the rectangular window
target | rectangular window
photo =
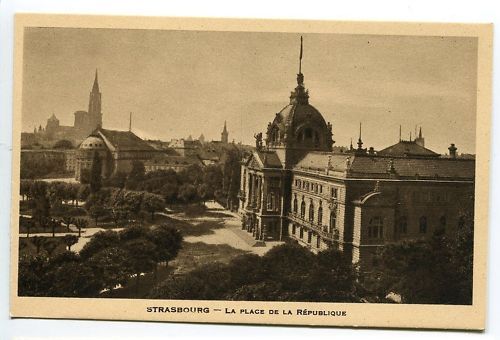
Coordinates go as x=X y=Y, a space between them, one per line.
x=309 y=237
x=335 y=192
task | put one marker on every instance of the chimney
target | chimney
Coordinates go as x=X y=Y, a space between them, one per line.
x=453 y=151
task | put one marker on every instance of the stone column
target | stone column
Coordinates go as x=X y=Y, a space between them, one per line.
x=249 y=191
x=259 y=192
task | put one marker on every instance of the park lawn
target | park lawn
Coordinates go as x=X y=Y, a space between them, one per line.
x=26 y=246
x=195 y=255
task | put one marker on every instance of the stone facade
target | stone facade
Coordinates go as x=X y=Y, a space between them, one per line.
x=358 y=200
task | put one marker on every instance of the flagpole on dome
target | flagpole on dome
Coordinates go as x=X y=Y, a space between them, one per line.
x=300 y=57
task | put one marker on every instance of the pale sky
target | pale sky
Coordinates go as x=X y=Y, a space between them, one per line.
x=180 y=83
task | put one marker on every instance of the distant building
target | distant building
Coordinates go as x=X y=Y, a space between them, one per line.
x=64 y=159
x=358 y=200
x=84 y=123
x=163 y=161
x=117 y=150
x=224 y=136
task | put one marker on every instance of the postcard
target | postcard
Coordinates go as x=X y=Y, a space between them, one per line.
x=251 y=171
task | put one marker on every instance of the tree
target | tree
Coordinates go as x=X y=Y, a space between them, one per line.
x=51 y=245
x=142 y=257
x=31 y=275
x=53 y=224
x=69 y=276
x=25 y=189
x=96 y=211
x=168 y=242
x=63 y=144
x=83 y=192
x=152 y=203
x=169 y=191
x=111 y=266
x=70 y=240
x=41 y=209
x=96 y=173
x=80 y=223
x=136 y=175
x=433 y=271
x=28 y=224
x=38 y=242
x=68 y=221
x=99 y=241
x=187 y=193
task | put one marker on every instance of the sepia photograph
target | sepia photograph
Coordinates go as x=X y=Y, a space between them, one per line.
x=251 y=168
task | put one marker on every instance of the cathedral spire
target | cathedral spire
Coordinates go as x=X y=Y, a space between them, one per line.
x=95 y=87
x=94 y=111
x=225 y=134
x=360 y=142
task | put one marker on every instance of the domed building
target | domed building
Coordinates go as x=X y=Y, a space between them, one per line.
x=116 y=149
x=299 y=127
x=358 y=200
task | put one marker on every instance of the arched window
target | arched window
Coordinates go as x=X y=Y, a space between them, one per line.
x=402 y=225
x=423 y=225
x=333 y=220
x=376 y=228
x=311 y=212
x=303 y=210
x=320 y=214
x=295 y=206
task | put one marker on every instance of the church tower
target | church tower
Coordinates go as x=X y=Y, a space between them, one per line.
x=420 y=140
x=94 y=112
x=224 y=136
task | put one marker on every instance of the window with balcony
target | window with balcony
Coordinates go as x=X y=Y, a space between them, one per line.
x=303 y=210
x=320 y=214
x=295 y=205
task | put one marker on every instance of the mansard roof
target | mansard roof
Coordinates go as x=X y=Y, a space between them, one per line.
x=380 y=167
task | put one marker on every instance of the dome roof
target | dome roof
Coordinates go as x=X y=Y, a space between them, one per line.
x=299 y=124
x=295 y=115
x=93 y=143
